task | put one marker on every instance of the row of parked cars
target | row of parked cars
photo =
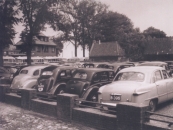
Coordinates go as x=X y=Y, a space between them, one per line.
x=150 y=83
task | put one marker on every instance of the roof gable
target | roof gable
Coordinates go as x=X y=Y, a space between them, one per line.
x=106 y=49
x=38 y=42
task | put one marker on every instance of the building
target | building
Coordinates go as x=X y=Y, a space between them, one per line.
x=106 y=51
x=42 y=46
x=159 y=49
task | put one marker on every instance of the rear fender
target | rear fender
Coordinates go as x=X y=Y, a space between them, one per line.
x=30 y=83
x=89 y=91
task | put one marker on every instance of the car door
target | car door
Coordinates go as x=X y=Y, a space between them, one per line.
x=169 y=84
x=161 y=86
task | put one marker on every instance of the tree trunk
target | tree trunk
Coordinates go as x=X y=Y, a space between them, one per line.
x=29 y=55
x=75 y=48
x=1 y=56
x=29 y=49
x=83 y=50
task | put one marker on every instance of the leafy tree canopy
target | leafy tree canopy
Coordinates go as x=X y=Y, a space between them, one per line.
x=8 y=18
x=154 y=33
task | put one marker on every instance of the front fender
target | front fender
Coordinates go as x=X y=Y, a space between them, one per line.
x=53 y=90
x=88 y=91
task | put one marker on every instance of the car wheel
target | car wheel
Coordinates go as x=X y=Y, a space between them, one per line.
x=60 y=91
x=152 y=105
x=93 y=97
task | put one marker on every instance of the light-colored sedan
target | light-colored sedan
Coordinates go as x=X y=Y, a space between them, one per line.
x=148 y=85
x=27 y=77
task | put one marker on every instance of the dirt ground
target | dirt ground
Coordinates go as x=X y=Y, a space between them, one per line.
x=15 y=118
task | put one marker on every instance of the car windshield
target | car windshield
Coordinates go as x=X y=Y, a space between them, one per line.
x=23 y=71
x=80 y=75
x=130 y=76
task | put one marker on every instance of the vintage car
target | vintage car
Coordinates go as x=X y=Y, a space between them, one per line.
x=7 y=74
x=117 y=66
x=158 y=63
x=95 y=65
x=86 y=82
x=53 y=80
x=27 y=78
x=142 y=84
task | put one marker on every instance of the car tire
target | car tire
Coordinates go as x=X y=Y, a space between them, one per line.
x=152 y=105
x=60 y=90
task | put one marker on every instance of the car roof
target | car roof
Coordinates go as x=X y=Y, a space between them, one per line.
x=142 y=69
x=154 y=63
x=94 y=69
x=32 y=68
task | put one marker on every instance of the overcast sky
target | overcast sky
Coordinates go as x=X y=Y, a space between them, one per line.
x=146 y=13
x=143 y=14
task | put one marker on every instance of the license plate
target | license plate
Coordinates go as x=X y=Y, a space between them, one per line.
x=40 y=88
x=115 y=97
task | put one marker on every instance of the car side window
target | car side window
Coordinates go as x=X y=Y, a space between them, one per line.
x=104 y=76
x=62 y=74
x=96 y=78
x=68 y=73
x=158 y=75
x=36 y=73
x=165 y=75
x=111 y=76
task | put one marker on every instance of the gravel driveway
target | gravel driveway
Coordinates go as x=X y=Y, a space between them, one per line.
x=15 y=118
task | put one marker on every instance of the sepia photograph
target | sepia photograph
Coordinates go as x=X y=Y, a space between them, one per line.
x=86 y=64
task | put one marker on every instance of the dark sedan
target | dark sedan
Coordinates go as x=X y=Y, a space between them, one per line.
x=53 y=80
x=86 y=82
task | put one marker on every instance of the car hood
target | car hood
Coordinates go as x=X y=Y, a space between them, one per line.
x=19 y=81
x=75 y=87
x=124 y=89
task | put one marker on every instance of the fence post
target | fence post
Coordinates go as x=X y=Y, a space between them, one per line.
x=131 y=116
x=26 y=96
x=65 y=105
x=3 y=90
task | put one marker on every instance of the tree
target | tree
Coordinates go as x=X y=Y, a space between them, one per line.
x=154 y=33
x=113 y=26
x=134 y=45
x=87 y=11
x=36 y=14
x=8 y=18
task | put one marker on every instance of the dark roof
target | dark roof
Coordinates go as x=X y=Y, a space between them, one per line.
x=106 y=49
x=157 y=46
x=38 y=42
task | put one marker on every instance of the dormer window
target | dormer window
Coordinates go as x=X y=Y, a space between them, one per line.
x=41 y=38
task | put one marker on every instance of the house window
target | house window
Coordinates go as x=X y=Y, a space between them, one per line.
x=53 y=49
x=41 y=38
x=39 y=49
x=45 y=49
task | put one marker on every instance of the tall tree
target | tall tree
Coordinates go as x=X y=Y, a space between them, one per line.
x=134 y=45
x=36 y=14
x=87 y=11
x=112 y=26
x=154 y=33
x=8 y=18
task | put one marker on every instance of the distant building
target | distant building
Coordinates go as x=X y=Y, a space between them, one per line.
x=43 y=46
x=159 y=49
x=106 y=51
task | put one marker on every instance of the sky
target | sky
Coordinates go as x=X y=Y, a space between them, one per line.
x=146 y=13
x=143 y=14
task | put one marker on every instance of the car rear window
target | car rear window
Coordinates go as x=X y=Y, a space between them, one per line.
x=130 y=76
x=23 y=71
x=80 y=75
